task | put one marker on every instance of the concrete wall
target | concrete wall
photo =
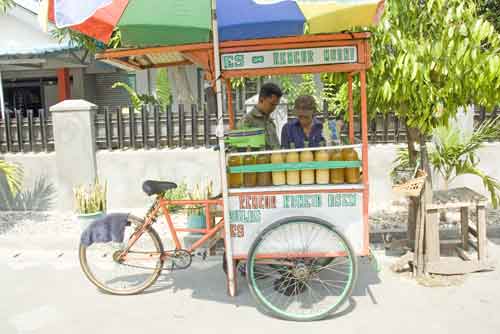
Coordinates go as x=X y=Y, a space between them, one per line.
x=125 y=171
x=35 y=166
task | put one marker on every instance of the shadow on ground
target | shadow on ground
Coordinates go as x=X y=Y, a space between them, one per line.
x=207 y=281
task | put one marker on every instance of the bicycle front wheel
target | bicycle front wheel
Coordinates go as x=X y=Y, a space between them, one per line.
x=301 y=269
x=136 y=273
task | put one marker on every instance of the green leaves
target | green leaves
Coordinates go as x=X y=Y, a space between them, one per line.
x=5 y=4
x=163 y=90
x=443 y=53
x=14 y=175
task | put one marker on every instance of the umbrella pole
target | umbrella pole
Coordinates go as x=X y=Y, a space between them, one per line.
x=222 y=156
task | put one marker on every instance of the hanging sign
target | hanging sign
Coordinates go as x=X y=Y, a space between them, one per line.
x=290 y=57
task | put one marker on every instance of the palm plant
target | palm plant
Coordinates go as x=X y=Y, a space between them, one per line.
x=454 y=154
x=13 y=174
x=163 y=92
x=5 y=4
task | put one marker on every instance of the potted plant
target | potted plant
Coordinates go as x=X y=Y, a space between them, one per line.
x=90 y=203
x=196 y=213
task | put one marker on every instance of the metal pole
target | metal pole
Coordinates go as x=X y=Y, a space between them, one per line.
x=222 y=158
x=364 y=139
x=2 y=105
x=351 y=110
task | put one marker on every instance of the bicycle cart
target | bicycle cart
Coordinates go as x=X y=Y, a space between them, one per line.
x=300 y=243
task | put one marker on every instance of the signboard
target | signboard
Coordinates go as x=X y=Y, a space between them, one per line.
x=291 y=57
x=250 y=214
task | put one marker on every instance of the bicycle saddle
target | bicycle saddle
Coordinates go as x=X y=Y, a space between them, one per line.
x=157 y=187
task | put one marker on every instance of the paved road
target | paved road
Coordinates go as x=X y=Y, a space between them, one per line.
x=45 y=292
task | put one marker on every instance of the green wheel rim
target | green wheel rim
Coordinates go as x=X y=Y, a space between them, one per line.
x=291 y=315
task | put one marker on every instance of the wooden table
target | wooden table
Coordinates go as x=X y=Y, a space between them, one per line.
x=463 y=199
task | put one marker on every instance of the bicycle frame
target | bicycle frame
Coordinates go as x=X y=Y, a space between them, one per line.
x=162 y=204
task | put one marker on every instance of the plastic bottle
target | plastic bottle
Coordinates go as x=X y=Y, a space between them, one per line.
x=306 y=176
x=235 y=180
x=279 y=178
x=264 y=179
x=249 y=179
x=292 y=176
x=351 y=174
x=322 y=175
x=337 y=174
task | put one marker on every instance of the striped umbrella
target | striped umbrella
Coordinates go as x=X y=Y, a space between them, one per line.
x=174 y=22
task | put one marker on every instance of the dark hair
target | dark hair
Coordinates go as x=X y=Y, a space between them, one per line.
x=305 y=102
x=269 y=89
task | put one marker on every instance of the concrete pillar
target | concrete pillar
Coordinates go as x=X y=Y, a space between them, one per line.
x=74 y=140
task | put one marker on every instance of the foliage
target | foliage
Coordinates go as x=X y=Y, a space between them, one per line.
x=77 y=39
x=431 y=57
x=14 y=175
x=292 y=89
x=163 y=89
x=90 y=198
x=163 y=92
x=5 y=4
x=491 y=11
x=138 y=100
x=40 y=198
x=455 y=153
x=179 y=193
x=200 y=192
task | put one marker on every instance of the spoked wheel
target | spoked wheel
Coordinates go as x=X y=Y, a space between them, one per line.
x=102 y=265
x=301 y=269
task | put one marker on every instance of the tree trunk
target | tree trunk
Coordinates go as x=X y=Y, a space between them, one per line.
x=412 y=136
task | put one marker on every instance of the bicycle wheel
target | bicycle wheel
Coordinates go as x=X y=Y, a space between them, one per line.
x=301 y=268
x=102 y=267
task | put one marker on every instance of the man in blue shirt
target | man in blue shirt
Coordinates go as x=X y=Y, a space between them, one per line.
x=305 y=127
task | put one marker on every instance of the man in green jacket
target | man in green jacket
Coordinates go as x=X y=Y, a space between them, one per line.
x=260 y=116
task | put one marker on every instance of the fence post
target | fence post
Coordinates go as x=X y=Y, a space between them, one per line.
x=74 y=141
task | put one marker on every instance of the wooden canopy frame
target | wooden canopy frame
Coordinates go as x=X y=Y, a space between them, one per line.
x=202 y=54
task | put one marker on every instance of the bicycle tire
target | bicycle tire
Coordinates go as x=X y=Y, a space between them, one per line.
x=135 y=223
x=255 y=276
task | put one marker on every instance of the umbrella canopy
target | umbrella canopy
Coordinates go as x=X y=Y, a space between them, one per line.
x=165 y=22
x=175 y=22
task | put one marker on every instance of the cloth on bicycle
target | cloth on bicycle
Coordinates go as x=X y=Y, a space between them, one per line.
x=111 y=227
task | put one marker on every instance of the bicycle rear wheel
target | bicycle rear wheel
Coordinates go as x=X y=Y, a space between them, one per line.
x=301 y=269
x=102 y=267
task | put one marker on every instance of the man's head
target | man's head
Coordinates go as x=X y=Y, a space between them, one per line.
x=269 y=97
x=305 y=107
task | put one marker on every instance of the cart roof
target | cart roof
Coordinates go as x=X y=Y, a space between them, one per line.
x=340 y=52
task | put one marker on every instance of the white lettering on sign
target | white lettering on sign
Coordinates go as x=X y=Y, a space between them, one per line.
x=292 y=57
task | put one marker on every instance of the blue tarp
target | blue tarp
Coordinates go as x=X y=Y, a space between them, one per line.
x=244 y=19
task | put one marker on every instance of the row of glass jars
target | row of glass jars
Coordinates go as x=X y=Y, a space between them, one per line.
x=295 y=177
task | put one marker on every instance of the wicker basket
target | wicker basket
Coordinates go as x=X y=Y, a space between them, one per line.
x=412 y=187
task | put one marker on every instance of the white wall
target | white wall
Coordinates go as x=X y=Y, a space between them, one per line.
x=125 y=171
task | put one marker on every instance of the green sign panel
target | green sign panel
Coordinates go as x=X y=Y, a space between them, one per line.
x=294 y=57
